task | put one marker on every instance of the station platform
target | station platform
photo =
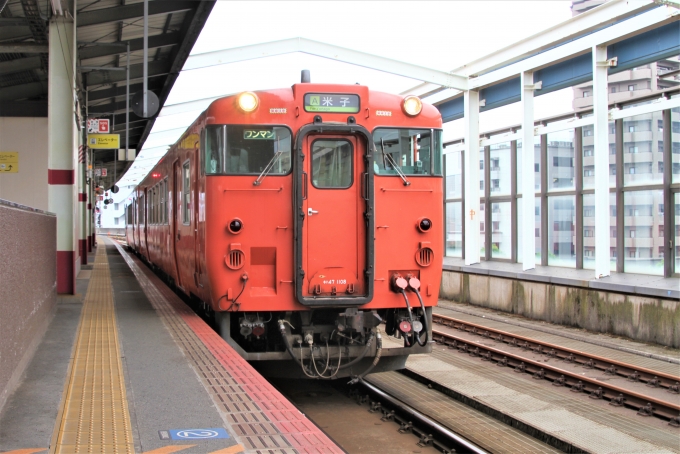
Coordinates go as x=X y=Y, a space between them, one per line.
x=126 y=367
x=571 y=422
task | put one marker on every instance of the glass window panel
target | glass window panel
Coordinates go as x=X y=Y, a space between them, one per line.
x=501 y=232
x=589 y=232
x=561 y=160
x=482 y=173
x=589 y=156
x=641 y=151
x=561 y=230
x=499 y=166
x=454 y=229
x=642 y=218
x=482 y=228
x=332 y=164
x=454 y=175
x=537 y=229
x=675 y=147
x=676 y=228
x=537 y=160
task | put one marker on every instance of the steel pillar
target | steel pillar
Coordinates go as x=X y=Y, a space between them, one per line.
x=62 y=146
x=601 y=151
x=527 y=183
x=82 y=201
x=471 y=215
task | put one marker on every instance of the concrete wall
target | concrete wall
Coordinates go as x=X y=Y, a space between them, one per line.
x=646 y=319
x=28 y=293
x=28 y=137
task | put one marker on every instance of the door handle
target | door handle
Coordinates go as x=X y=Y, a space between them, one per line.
x=311 y=212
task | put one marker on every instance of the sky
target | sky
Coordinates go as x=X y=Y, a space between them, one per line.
x=438 y=35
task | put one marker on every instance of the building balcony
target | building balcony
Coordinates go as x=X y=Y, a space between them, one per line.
x=638 y=242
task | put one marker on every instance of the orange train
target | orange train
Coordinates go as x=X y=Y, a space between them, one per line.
x=306 y=222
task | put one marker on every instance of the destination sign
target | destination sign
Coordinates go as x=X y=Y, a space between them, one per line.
x=320 y=102
x=259 y=134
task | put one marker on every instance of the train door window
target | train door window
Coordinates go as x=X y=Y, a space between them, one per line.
x=332 y=164
x=142 y=210
x=165 y=201
x=414 y=151
x=186 y=192
x=161 y=203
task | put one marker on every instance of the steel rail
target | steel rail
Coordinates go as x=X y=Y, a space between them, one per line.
x=612 y=367
x=445 y=435
x=617 y=396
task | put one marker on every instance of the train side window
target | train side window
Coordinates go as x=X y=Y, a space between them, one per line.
x=415 y=151
x=186 y=192
x=332 y=164
x=215 y=144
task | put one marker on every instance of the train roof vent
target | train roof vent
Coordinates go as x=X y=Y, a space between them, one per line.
x=235 y=259
x=424 y=256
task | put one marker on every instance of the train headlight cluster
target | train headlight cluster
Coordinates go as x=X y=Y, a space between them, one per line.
x=248 y=101
x=412 y=105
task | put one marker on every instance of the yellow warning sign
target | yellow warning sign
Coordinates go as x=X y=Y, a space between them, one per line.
x=103 y=141
x=9 y=162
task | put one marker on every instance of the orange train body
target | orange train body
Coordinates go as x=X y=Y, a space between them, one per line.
x=298 y=219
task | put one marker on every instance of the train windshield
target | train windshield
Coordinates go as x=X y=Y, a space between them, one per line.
x=246 y=150
x=415 y=151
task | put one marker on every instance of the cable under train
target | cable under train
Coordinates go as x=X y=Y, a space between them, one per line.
x=307 y=222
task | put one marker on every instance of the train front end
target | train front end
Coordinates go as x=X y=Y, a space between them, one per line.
x=322 y=211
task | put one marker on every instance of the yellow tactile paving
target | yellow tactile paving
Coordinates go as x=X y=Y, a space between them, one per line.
x=94 y=414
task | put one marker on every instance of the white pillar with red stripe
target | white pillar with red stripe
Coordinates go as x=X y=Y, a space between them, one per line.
x=62 y=133
x=82 y=202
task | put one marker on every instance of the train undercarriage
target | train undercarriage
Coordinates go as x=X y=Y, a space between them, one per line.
x=327 y=343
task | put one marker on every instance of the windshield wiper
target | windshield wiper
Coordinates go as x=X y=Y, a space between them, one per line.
x=268 y=168
x=390 y=159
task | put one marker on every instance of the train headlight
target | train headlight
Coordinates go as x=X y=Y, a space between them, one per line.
x=248 y=101
x=412 y=105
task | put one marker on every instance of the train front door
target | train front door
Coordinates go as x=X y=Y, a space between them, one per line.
x=334 y=230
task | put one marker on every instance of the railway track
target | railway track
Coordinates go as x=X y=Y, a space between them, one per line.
x=644 y=404
x=365 y=418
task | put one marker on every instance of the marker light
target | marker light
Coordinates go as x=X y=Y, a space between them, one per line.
x=248 y=101
x=412 y=105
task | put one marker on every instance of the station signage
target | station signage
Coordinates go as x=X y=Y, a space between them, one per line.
x=98 y=126
x=9 y=162
x=103 y=141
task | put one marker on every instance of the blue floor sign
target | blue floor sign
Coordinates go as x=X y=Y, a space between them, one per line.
x=193 y=434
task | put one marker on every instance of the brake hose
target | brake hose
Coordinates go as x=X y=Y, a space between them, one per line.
x=410 y=319
x=378 y=354
x=414 y=283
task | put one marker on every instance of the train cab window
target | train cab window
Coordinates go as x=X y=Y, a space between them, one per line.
x=186 y=192
x=247 y=150
x=332 y=164
x=415 y=151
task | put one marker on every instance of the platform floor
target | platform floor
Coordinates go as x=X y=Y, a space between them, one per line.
x=126 y=367
x=569 y=420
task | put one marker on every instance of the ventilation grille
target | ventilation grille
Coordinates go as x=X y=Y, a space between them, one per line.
x=424 y=256
x=235 y=259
